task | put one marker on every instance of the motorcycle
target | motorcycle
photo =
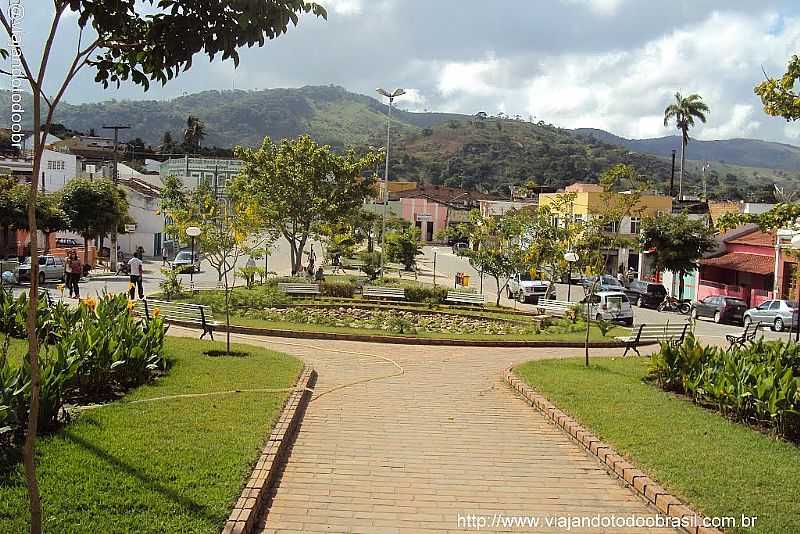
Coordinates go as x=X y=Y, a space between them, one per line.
x=672 y=304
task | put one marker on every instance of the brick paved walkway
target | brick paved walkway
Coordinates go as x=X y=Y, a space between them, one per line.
x=413 y=452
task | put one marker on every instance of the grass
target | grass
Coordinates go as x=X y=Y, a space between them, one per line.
x=17 y=349
x=170 y=466
x=721 y=467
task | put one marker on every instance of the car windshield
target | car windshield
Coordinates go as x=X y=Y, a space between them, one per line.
x=658 y=289
x=789 y=304
x=610 y=281
x=525 y=277
x=184 y=256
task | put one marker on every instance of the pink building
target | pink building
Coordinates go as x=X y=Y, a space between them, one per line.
x=432 y=208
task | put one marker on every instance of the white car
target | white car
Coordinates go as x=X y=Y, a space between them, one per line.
x=610 y=306
x=525 y=288
x=50 y=268
x=183 y=262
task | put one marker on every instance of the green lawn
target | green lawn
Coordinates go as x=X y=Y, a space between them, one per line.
x=17 y=349
x=723 y=468
x=170 y=466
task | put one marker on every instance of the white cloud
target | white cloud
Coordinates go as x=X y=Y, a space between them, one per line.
x=413 y=100
x=626 y=91
x=601 y=7
x=344 y=7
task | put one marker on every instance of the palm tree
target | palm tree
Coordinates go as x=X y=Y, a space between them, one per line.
x=684 y=111
x=194 y=133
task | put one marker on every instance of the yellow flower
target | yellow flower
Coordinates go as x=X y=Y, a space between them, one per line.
x=60 y=287
x=131 y=305
x=130 y=286
x=89 y=302
x=156 y=312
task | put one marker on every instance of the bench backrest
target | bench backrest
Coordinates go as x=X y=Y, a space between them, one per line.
x=466 y=296
x=375 y=291
x=298 y=288
x=555 y=307
x=662 y=331
x=175 y=311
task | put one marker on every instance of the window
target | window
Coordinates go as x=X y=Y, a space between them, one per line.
x=636 y=225
x=611 y=227
x=556 y=222
x=55 y=165
x=776 y=305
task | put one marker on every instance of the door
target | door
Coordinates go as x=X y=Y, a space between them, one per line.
x=760 y=313
x=157 y=244
x=707 y=307
x=429 y=232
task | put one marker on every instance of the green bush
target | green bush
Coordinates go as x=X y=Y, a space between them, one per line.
x=171 y=287
x=427 y=294
x=241 y=299
x=759 y=383
x=337 y=289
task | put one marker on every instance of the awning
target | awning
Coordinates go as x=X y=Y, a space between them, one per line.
x=742 y=262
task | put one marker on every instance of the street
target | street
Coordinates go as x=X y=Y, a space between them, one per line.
x=447 y=265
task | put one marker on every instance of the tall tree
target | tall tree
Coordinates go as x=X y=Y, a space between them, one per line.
x=51 y=218
x=167 y=143
x=780 y=96
x=298 y=184
x=124 y=40
x=677 y=243
x=194 y=134
x=683 y=113
x=93 y=208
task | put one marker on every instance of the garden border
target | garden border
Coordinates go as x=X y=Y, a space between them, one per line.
x=246 y=512
x=616 y=464
x=397 y=340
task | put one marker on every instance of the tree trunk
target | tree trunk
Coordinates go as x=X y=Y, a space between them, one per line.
x=86 y=250
x=588 y=326
x=499 y=291
x=227 y=316
x=29 y=449
x=680 y=174
x=681 y=274
x=46 y=242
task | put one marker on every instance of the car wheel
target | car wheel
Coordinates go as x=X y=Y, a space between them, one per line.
x=717 y=317
x=521 y=297
x=629 y=322
x=598 y=318
x=508 y=293
x=777 y=326
x=41 y=278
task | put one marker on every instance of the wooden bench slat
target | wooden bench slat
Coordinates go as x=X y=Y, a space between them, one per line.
x=183 y=312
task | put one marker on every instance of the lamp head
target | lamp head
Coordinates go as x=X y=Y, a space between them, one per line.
x=193 y=231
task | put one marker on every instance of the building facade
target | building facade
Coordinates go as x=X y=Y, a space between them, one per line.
x=214 y=172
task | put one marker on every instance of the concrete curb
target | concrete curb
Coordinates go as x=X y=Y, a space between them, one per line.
x=634 y=478
x=273 y=332
x=246 y=512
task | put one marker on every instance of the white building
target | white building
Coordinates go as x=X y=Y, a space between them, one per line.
x=57 y=169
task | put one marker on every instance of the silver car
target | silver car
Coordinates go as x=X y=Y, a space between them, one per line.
x=778 y=314
x=50 y=268
x=610 y=306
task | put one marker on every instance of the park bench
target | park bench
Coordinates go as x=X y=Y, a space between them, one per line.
x=556 y=308
x=673 y=333
x=465 y=297
x=195 y=314
x=299 y=289
x=749 y=333
x=395 y=293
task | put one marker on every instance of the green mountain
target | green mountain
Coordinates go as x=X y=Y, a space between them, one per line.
x=486 y=154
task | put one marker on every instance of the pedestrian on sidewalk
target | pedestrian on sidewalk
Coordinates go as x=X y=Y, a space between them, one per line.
x=136 y=268
x=75 y=271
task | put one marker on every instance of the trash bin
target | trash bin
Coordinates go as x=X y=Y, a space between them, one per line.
x=465 y=280
x=459 y=279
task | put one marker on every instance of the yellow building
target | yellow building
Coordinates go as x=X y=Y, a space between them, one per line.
x=591 y=201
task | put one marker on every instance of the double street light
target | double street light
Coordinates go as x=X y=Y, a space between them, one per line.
x=391 y=96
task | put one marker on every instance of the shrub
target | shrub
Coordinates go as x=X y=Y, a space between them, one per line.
x=427 y=294
x=337 y=289
x=258 y=298
x=759 y=383
x=171 y=287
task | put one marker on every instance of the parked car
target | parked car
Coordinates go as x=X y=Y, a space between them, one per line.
x=610 y=306
x=607 y=283
x=67 y=242
x=722 y=309
x=645 y=294
x=50 y=268
x=525 y=288
x=778 y=314
x=183 y=262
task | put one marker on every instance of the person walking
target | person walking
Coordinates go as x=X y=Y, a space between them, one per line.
x=68 y=272
x=75 y=271
x=250 y=269
x=136 y=269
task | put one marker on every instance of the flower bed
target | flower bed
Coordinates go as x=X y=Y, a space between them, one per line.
x=395 y=321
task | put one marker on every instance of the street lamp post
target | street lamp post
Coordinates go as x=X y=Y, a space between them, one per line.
x=391 y=96
x=570 y=257
x=795 y=316
x=192 y=231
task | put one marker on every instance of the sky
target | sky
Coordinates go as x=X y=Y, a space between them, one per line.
x=610 y=64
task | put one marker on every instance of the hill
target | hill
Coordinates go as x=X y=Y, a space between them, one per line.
x=742 y=152
x=483 y=154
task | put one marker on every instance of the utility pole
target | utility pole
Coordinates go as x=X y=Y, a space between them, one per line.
x=115 y=177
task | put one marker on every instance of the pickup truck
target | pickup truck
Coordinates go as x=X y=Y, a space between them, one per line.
x=525 y=288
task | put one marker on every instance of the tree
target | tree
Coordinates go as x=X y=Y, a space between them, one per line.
x=13 y=207
x=683 y=112
x=51 y=218
x=194 y=134
x=403 y=246
x=498 y=253
x=93 y=208
x=676 y=243
x=127 y=40
x=298 y=184
x=167 y=143
x=779 y=96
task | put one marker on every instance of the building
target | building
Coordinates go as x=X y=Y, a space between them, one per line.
x=214 y=172
x=433 y=208
x=57 y=168
x=592 y=201
x=498 y=208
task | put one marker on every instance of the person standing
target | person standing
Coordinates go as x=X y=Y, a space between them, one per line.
x=75 y=271
x=68 y=272
x=250 y=269
x=136 y=269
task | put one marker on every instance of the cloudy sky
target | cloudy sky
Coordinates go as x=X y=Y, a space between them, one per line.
x=611 y=64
